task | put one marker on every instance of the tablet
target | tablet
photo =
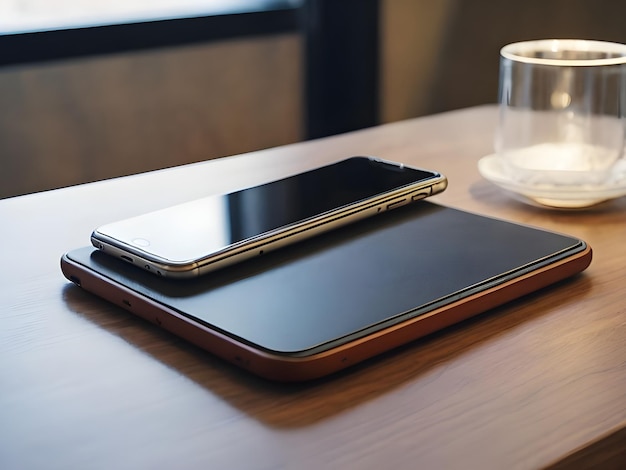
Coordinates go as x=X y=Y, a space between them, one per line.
x=332 y=301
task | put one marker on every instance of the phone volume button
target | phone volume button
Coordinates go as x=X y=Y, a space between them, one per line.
x=420 y=195
x=394 y=204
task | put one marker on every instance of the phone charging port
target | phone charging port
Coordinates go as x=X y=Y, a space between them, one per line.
x=127 y=258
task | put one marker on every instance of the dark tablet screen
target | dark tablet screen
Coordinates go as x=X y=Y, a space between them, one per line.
x=348 y=282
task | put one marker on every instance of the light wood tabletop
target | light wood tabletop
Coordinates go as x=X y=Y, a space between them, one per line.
x=84 y=384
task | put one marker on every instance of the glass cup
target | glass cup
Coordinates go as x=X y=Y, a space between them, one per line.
x=562 y=112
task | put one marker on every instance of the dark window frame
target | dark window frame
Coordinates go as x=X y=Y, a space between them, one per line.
x=341 y=50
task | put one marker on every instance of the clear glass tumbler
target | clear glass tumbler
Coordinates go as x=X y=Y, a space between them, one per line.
x=562 y=112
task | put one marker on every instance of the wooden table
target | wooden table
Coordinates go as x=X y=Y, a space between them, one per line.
x=83 y=384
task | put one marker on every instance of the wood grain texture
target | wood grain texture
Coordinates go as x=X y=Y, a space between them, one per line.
x=84 y=384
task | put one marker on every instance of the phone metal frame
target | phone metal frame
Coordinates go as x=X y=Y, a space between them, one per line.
x=277 y=238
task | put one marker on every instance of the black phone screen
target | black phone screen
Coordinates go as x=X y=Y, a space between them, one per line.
x=200 y=228
x=263 y=208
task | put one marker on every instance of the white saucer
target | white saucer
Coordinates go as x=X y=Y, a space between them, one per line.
x=563 y=197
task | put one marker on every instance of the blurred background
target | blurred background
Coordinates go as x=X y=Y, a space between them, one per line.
x=93 y=90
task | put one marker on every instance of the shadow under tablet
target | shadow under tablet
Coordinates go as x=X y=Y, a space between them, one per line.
x=320 y=305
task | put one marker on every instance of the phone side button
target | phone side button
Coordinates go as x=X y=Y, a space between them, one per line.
x=420 y=195
x=395 y=204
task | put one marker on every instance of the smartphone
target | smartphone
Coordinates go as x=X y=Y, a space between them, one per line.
x=332 y=301
x=200 y=236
